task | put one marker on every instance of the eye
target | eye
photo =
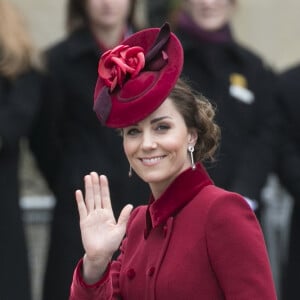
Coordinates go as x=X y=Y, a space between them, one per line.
x=132 y=131
x=162 y=127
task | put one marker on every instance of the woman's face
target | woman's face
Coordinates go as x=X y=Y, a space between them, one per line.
x=107 y=13
x=156 y=147
x=210 y=15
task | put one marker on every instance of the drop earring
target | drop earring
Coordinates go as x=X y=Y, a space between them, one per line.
x=130 y=171
x=191 y=150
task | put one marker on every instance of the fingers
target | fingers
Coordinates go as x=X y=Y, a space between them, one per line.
x=89 y=193
x=124 y=215
x=105 y=196
x=96 y=190
x=80 y=205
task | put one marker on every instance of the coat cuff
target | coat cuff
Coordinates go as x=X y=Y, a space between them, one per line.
x=78 y=276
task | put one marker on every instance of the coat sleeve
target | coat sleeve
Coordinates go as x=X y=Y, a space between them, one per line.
x=237 y=250
x=107 y=288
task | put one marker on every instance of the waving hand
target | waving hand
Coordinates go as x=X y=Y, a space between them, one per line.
x=101 y=233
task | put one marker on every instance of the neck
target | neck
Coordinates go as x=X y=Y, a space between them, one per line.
x=109 y=36
x=157 y=190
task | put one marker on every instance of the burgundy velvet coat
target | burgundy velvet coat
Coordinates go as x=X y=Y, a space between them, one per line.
x=196 y=241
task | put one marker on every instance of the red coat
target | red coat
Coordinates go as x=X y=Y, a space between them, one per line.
x=195 y=242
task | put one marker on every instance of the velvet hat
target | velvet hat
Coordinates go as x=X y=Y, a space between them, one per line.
x=135 y=77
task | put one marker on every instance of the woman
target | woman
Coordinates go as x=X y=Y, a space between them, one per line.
x=68 y=139
x=19 y=101
x=243 y=89
x=194 y=240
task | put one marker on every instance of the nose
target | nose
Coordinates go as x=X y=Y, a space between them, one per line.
x=148 y=142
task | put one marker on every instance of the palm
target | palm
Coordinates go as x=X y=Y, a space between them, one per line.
x=101 y=234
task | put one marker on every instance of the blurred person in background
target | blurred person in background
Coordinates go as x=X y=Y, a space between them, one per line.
x=19 y=101
x=243 y=89
x=289 y=174
x=68 y=141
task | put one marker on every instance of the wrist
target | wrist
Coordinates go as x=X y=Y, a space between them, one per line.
x=94 y=268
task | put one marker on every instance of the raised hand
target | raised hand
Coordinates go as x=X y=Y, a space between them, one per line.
x=101 y=234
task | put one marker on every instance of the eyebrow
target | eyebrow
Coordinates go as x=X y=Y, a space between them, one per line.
x=159 y=119
x=155 y=120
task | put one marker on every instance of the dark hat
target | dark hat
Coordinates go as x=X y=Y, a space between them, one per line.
x=137 y=76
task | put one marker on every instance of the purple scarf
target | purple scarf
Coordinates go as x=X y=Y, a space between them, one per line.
x=220 y=36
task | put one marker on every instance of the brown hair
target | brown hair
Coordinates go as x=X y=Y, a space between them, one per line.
x=77 y=16
x=16 y=47
x=197 y=113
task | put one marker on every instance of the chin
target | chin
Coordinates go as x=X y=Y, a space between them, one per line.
x=212 y=26
x=151 y=177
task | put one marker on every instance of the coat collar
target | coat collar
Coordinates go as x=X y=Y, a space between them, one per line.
x=181 y=191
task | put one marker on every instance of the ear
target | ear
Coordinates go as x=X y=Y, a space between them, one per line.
x=192 y=136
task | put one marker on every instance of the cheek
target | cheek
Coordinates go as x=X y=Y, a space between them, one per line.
x=125 y=147
x=92 y=6
x=129 y=147
x=225 y=12
x=123 y=8
x=125 y=5
x=175 y=144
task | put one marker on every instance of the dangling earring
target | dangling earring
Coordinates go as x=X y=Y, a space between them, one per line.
x=191 y=150
x=130 y=171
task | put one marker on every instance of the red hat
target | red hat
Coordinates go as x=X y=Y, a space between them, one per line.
x=137 y=76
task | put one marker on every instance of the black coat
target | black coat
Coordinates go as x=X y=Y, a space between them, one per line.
x=289 y=174
x=19 y=100
x=290 y=154
x=251 y=131
x=69 y=142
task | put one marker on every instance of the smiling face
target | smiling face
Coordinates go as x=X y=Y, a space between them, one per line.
x=210 y=15
x=156 y=147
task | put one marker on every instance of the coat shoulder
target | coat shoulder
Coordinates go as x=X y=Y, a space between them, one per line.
x=212 y=194
x=251 y=57
x=291 y=73
x=213 y=200
x=68 y=47
x=58 y=48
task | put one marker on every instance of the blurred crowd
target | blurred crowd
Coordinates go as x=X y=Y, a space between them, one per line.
x=46 y=96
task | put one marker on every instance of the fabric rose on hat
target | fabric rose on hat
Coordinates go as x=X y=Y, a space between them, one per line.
x=122 y=61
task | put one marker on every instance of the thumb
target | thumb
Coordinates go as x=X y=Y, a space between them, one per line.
x=124 y=215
